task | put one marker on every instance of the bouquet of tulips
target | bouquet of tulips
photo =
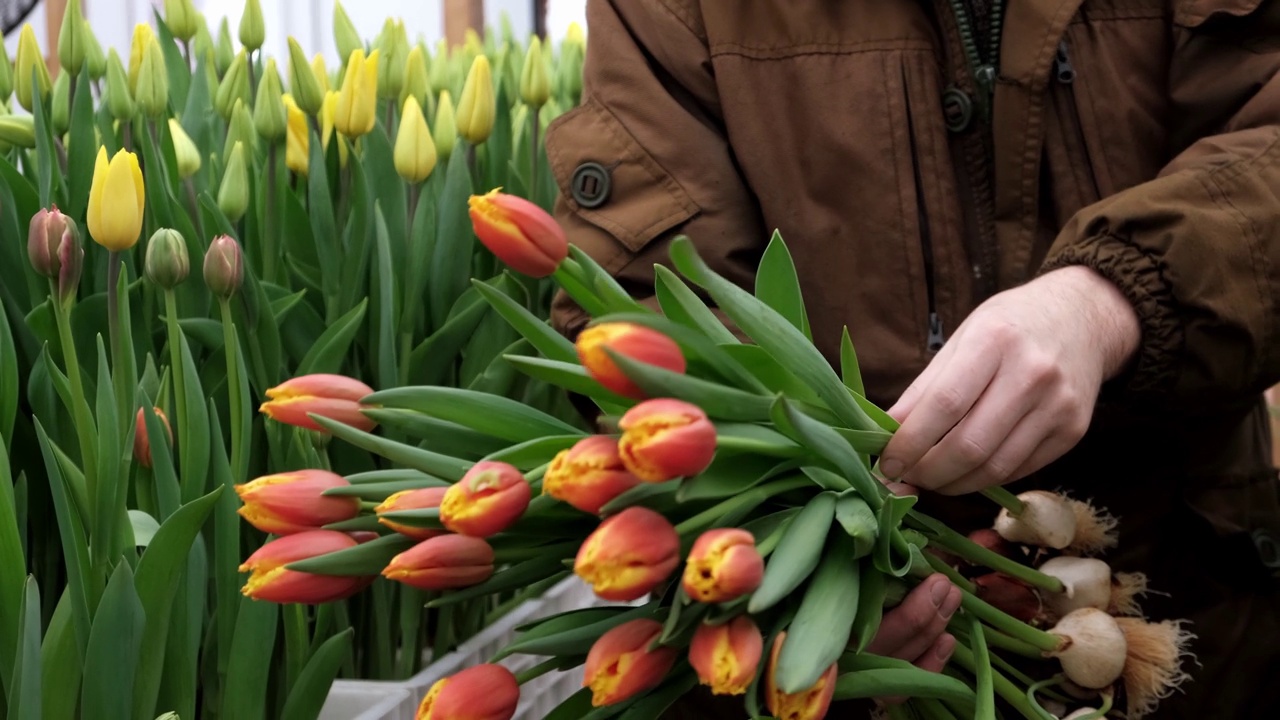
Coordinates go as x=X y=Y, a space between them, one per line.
x=729 y=503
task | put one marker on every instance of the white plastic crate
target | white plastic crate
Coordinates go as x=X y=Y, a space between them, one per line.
x=537 y=697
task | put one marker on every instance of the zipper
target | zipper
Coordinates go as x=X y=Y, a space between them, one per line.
x=935 y=338
x=1064 y=72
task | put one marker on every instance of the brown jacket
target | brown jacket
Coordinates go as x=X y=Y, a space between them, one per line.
x=1138 y=137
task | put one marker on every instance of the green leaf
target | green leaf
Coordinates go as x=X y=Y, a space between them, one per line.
x=534 y=453
x=168 y=492
x=115 y=647
x=61 y=658
x=718 y=401
x=857 y=519
x=431 y=463
x=867 y=442
x=655 y=703
x=655 y=496
x=434 y=358
x=365 y=559
x=396 y=475
x=386 y=367
x=144 y=527
x=575 y=707
x=450 y=265
x=798 y=553
x=252 y=653
x=870 y=606
x=205 y=331
x=377 y=492
x=888 y=535
x=681 y=305
x=81 y=148
x=496 y=416
x=308 y=694
x=323 y=226
x=195 y=465
x=572 y=638
x=280 y=307
x=830 y=446
x=819 y=633
x=330 y=349
x=912 y=682
x=23 y=686
x=774 y=377
x=46 y=167
x=730 y=474
x=539 y=333
x=176 y=66
x=515 y=576
x=779 y=287
x=72 y=538
x=572 y=377
x=850 y=370
x=13 y=567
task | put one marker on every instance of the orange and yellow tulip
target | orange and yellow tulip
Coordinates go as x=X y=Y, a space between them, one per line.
x=629 y=554
x=726 y=656
x=443 y=563
x=141 y=441
x=332 y=396
x=620 y=664
x=486 y=501
x=809 y=704
x=723 y=565
x=270 y=580
x=419 y=499
x=293 y=502
x=521 y=234
x=483 y=692
x=588 y=475
x=665 y=439
x=635 y=342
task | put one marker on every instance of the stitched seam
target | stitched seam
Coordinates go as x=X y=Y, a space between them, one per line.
x=684 y=17
x=771 y=52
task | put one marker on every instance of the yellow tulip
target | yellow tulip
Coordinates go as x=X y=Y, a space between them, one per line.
x=327 y=112
x=477 y=106
x=184 y=149
x=117 y=198
x=535 y=85
x=416 y=84
x=321 y=72
x=446 y=129
x=298 y=139
x=357 y=107
x=142 y=37
x=415 y=154
x=30 y=60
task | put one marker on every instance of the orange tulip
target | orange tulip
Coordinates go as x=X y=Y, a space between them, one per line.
x=809 y=704
x=419 y=499
x=588 y=475
x=726 y=656
x=443 y=563
x=521 y=234
x=723 y=565
x=483 y=692
x=141 y=442
x=333 y=396
x=629 y=554
x=665 y=439
x=486 y=501
x=292 y=502
x=636 y=342
x=620 y=664
x=272 y=582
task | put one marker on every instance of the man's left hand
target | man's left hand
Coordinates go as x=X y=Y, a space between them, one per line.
x=1015 y=386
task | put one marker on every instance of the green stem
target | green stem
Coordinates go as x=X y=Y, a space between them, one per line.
x=970 y=551
x=239 y=463
x=179 y=386
x=406 y=352
x=1007 y=691
x=570 y=277
x=1037 y=687
x=86 y=431
x=1107 y=699
x=754 y=496
x=986 y=703
x=1015 y=628
x=538 y=670
x=533 y=153
x=952 y=574
x=1005 y=499
x=270 y=249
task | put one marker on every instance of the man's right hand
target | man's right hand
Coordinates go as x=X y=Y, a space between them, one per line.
x=915 y=630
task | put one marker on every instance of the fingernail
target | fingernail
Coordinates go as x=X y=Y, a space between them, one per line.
x=950 y=605
x=946 y=647
x=891 y=468
x=939 y=593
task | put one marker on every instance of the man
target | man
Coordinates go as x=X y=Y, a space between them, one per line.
x=1052 y=227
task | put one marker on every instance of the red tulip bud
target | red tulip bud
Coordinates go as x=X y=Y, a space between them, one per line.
x=272 y=582
x=629 y=554
x=521 y=234
x=483 y=692
x=420 y=499
x=723 y=565
x=588 y=475
x=333 y=396
x=141 y=439
x=726 y=656
x=621 y=664
x=636 y=342
x=224 y=266
x=665 y=439
x=486 y=501
x=292 y=502
x=443 y=563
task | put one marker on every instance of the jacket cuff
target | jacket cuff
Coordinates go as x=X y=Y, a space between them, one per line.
x=1138 y=276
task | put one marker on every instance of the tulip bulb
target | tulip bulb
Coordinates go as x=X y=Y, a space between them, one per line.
x=1152 y=669
x=1086 y=583
x=1009 y=595
x=1093 y=648
x=1047 y=520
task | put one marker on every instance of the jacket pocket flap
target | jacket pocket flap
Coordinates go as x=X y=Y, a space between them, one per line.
x=1194 y=13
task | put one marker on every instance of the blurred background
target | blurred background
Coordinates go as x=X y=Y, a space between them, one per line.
x=310 y=21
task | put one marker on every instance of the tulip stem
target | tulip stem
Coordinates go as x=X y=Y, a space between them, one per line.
x=1005 y=499
x=230 y=346
x=538 y=670
x=533 y=153
x=746 y=500
x=968 y=550
x=85 y=428
x=179 y=385
x=269 y=239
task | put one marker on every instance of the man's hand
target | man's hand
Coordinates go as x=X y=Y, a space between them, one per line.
x=1014 y=387
x=915 y=630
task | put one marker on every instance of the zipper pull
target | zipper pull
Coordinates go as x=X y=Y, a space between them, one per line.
x=1062 y=67
x=936 y=338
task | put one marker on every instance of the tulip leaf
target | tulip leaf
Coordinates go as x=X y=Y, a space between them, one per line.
x=914 y=682
x=323 y=226
x=819 y=633
x=870 y=606
x=81 y=148
x=195 y=465
x=9 y=389
x=13 y=566
x=281 y=307
x=377 y=492
x=361 y=523
x=71 y=535
x=176 y=66
x=433 y=359
x=308 y=694
x=575 y=707
x=353 y=282
x=681 y=305
x=165 y=480
x=773 y=375
x=720 y=402
x=417 y=517
x=830 y=446
x=759 y=439
x=539 y=333
x=572 y=377
x=576 y=638
x=144 y=527
x=880 y=417
x=367 y=558
x=567 y=620
x=23 y=685
x=383 y=344
x=330 y=349
x=655 y=703
x=493 y=415
x=730 y=474
x=61 y=658
x=850 y=369
x=798 y=552
x=396 y=475
x=533 y=453
x=388 y=190
x=46 y=168
x=889 y=535
x=251 y=657
x=115 y=647
x=483 y=366
x=450 y=265
x=866 y=442
x=778 y=286
x=438 y=435
x=661 y=497
x=205 y=331
x=511 y=578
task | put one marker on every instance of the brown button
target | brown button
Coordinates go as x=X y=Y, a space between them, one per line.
x=957 y=108
x=590 y=185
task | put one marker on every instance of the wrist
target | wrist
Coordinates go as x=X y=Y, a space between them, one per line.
x=1109 y=317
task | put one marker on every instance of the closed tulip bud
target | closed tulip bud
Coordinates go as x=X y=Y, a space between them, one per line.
x=6 y=75
x=240 y=130
x=95 y=60
x=18 y=130
x=224 y=50
x=634 y=342
x=61 y=114
x=48 y=230
x=182 y=18
x=202 y=45
x=71 y=38
x=357 y=107
x=29 y=62
x=392 y=57
x=327 y=113
x=723 y=566
x=234 y=86
x=320 y=72
x=440 y=68
x=233 y=193
x=535 y=85
x=297 y=137
x=253 y=29
x=665 y=439
x=521 y=234
x=623 y=663
x=808 y=704
x=303 y=85
x=445 y=132
x=268 y=112
x=332 y=396
x=184 y=149
x=483 y=692
x=415 y=154
x=166 y=262
x=272 y=581
x=416 y=84
x=629 y=554
x=444 y=562
x=138 y=44
x=293 y=502
x=223 y=267
x=574 y=35
x=152 y=93
x=487 y=500
x=477 y=106
x=117 y=198
x=588 y=475
x=344 y=32
x=420 y=499
x=119 y=97
x=726 y=656
x=141 y=439
x=570 y=74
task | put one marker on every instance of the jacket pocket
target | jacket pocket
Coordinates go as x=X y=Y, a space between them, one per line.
x=609 y=180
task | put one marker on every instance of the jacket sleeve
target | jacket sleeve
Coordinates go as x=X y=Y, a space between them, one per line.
x=650 y=117
x=1195 y=250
